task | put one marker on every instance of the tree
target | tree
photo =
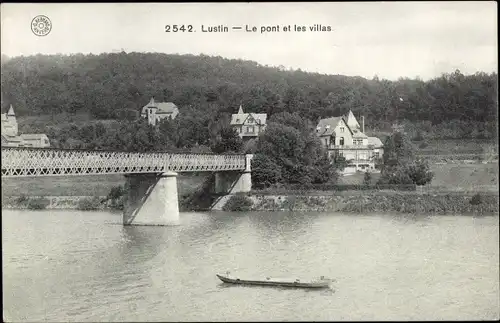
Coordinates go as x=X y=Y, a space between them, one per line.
x=398 y=150
x=340 y=162
x=400 y=165
x=227 y=141
x=367 y=178
x=291 y=145
x=265 y=171
x=420 y=172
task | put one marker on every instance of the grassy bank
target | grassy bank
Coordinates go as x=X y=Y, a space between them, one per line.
x=91 y=185
x=450 y=178
x=76 y=192
x=455 y=146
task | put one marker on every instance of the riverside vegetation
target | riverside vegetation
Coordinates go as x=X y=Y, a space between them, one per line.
x=114 y=200
x=483 y=204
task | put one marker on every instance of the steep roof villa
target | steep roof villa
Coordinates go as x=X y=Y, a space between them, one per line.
x=248 y=125
x=155 y=111
x=11 y=137
x=343 y=136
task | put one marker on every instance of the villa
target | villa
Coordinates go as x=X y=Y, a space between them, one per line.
x=343 y=136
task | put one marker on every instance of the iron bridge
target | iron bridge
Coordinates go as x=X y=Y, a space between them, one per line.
x=23 y=162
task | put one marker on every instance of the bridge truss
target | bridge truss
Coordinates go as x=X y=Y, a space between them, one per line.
x=23 y=162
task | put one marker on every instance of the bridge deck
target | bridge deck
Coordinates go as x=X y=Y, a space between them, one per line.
x=18 y=162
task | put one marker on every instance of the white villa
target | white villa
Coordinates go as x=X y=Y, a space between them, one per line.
x=248 y=125
x=343 y=136
x=155 y=111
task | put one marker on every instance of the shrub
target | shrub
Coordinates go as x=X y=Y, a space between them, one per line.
x=118 y=204
x=423 y=145
x=238 y=203
x=40 y=203
x=87 y=204
x=476 y=199
x=420 y=173
x=347 y=187
x=116 y=192
x=367 y=179
x=21 y=199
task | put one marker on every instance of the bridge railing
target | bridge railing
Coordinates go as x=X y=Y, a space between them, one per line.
x=47 y=162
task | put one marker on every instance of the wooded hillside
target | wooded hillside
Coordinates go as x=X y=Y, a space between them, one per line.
x=116 y=86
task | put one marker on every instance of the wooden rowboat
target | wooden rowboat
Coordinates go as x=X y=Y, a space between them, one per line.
x=268 y=281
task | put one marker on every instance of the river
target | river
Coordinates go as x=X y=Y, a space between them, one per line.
x=85 y=266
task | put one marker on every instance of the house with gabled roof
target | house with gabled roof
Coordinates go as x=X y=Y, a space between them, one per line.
x=156 y=111
x=343 y=136
x=248 y=125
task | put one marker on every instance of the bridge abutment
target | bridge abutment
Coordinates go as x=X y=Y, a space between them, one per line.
x=152 y=199
x=234 y=182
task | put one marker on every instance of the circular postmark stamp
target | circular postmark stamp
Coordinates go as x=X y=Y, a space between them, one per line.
x=41 y=25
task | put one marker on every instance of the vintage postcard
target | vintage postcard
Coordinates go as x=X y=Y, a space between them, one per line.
x=249 y=161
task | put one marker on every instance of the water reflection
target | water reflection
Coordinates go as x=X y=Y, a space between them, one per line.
x=421 y=219
x=386 y=267
x=276 y=228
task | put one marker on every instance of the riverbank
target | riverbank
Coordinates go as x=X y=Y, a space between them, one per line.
x=59 y=203
x=407 y=202
x=369 y=202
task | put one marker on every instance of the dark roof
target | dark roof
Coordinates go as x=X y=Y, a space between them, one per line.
x=324 y=130
x=163 y=107
x=237 y=119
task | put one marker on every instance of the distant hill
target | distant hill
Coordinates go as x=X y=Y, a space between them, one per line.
x=117 y=85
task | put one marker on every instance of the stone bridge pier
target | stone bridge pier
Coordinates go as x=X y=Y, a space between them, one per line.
x=152 y=199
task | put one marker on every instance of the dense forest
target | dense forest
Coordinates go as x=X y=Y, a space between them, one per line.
x=208 y=89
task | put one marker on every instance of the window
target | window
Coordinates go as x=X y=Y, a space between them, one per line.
x=341 y=129
x=376 y=154
x=46 y=141
x=237 y=119
x=341 y=141
x=250 y=129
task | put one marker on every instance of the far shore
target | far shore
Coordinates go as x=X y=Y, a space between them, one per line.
x=356 y=202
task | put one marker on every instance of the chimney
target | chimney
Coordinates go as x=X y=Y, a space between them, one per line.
x=363 y=123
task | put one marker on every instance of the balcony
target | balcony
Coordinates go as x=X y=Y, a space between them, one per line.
x=248 y=134
x=351 y=147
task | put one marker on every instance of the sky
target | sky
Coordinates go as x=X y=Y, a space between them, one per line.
x=387 y=39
